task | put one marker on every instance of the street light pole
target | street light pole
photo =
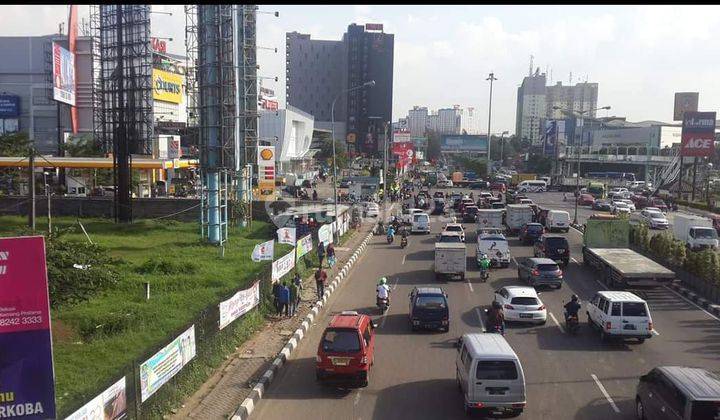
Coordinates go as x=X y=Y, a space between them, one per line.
x=502 y=144
x=491 y=78
x=332 y=130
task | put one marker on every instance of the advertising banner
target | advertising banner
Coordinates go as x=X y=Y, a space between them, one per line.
x=401 y=136
x=325 y=235
x=286 y=235
x=167 y=87
x=404 y=152
x=283 y=265
x=110 y=405
x=63 y=75
x=239 y=304
x=698 y=134
x=464 y=143
x=9 y=106
x=166 y=363
x=550 y=137
x=304 y=245
x=27 y=389
x=264 y=251
x=685 y=102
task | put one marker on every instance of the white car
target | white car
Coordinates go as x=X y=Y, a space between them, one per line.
x=407 y=215
x=620 y=314
x=654 y=219
x=372 y=210
x=446 y=183
x=455 y=227
x=618 y=207
x=521 y=303
x=630 y=204
x=495 y=245
x=617 y=190
x=654 y=209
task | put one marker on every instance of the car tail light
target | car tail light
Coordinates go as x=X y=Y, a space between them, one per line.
x=364 y=360
x=478 y=405
x=559 y=272
x=608 y=325
x=650 y=327
x=518 y=405
x=541 y=308
x=506 y=306
x=318 y=359
x=536 y=272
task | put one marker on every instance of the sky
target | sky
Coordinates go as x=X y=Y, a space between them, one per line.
x=639 y=55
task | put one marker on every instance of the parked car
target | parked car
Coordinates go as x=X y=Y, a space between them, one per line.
x=602 y=204
x=619 y=314
x=630 y=204
x=521 y=304
x=678 y=393
x=540 y=272
x=429 y=309
x=654 y=219
x=456 y=227
x=347 y=349
x=530 y=232
x=553 y=247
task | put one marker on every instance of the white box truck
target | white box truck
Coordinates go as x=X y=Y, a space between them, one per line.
x=450 y=260
x=490 y=219
x=517 y=216
x=696 y=231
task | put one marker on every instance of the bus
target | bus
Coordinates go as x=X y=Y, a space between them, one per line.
x=596 y=189
x=624 y=176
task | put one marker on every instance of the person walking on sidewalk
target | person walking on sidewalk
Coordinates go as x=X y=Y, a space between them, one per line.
x=284 y=299
x=293 y=298
x=297 y=280
x=276 y=296
x=331 y=255
x=320 y=280
x=321 y=253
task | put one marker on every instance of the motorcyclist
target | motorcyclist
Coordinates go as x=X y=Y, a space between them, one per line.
x=383 y=291
x=391 y=231
x=484 y=263
x=572 y=307
x=496 y=317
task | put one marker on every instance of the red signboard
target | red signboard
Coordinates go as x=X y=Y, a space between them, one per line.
x=698 y=134
x=404 y=151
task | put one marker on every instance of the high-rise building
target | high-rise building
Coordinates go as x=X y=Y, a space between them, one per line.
x=469 y=121
x=432 y=122
x=581 y=97
x=417 y=121
x=449 y=120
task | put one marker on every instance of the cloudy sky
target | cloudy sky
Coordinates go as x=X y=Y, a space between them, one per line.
x=640 y=55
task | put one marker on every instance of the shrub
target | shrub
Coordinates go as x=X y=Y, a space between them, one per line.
x=166 y=267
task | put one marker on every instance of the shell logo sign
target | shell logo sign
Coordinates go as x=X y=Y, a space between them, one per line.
x=167 y=87
x=266 y=155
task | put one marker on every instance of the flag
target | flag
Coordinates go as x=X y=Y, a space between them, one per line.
x=263 y=251
x=286 y=235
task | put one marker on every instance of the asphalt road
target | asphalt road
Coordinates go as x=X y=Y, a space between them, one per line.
x=568 y=377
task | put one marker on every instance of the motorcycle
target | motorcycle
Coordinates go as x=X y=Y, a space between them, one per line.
x=572 y=324
x=494 y=329
x=484 y=275
x=382 y=304
x=390 y=238
x=379 y=229
x=403 y=242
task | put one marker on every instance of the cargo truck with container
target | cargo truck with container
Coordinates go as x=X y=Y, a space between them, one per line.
x=516 y=216
x=450 y=260
x=490 y=219
x=697 y=232
x=606 y=249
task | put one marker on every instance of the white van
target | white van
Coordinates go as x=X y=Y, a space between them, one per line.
x=620 y=314
x=420 y=223
x=489 y=375
x=558 y=220
x=532 y=186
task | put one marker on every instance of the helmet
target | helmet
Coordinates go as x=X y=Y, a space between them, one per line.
x=574 y=298
x=383 y=280
x=484 y=256
x=496 y=304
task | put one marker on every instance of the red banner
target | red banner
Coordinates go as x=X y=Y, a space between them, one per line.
x=698 y=134
x=404 y=152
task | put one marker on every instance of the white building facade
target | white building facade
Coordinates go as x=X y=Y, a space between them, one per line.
x=290 y=131
x=417 y=121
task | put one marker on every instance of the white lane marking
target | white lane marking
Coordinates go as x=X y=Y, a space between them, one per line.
x=654 y=331
x=395 y=285
x=477 y=311
x=515 y=261
x=605 y=393
x=574 y=260
x=403 y=259
x=357 y=397
x=556 y=322
x=470 y=286
x=693 y=303
x=384 y=317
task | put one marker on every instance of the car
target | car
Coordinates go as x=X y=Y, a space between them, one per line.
x=450 y=237
x=497 y=205
x=630 y=204
x=478 y=185
x=466 y=201
x=657 y=202
x=438 y=206
x=445 y=183
x=456 y=227
x=521 y=304
x=347 y=349
x=371 y=210
x=654 y=219
x=498 y=186
x=406 y=216
x=530 y=232
x=495 y=245
x=601 y=204
x=553 y=247
x=618 y=207
x=655 y=209
x=557 y=220
x=617 y=190
x=585 y=200
x=420 y=223
x=429 y=309
x=439 y=194
x=619 y=314
x=540 y=272
x=678 y=393
x=469 y=214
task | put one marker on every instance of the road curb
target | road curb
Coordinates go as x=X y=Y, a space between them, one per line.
x=246 y=408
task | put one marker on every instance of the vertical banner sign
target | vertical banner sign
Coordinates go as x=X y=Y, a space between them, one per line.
x=286 y=235
x=63 y=75
x=698 y=134
x=550 y=137
x=72 y=41
x=110 y=405
x=266 y=172
x=304 y=245
x=264 y=251
x=27 y=387
x=160 y=368
x=239 y=304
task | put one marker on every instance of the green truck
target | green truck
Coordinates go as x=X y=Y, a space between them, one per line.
x=606 y=248
x=596 y=189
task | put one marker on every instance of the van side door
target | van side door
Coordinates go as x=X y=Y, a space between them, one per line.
x=462 y=368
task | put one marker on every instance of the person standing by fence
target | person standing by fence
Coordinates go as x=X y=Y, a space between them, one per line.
x=284 y=299
x=320 y=280
x=276 y=296
x=294 y=301
x=321 y=253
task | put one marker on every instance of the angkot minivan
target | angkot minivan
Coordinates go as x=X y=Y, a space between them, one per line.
x=489 y=375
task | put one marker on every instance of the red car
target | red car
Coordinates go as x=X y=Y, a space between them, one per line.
x=347 y=349
x=585 y=200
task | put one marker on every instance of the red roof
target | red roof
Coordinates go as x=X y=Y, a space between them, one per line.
x=345 y=321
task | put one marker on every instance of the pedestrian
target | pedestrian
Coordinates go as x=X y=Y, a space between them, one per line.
x=284 y=298
x=297 y=280
x=315 y=196
x=331 y=255
x=276 y=296
x=294 y=300
x=320 y=280
x=321 y=254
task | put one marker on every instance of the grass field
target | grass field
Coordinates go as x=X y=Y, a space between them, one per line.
x=95 y=340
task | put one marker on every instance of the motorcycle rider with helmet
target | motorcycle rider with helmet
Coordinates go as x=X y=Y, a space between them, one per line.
x=382 y=291
x=572 y=308
x=484 y=264
x=496 y=318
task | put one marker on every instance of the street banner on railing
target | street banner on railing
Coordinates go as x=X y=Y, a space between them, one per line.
x=239 y=304
x=304 y=245
x=27 y=388
x=286 y=235
x=283 y=265
x=110 y=405
x=160 y=368
x=264 y=251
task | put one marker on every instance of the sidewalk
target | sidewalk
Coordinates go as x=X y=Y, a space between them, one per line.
x=232 y=382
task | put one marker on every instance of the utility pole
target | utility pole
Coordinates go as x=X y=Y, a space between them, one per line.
x=694 y=178
x=385 y=167
x=31 y=189
x=60 y=145
x=491 y=78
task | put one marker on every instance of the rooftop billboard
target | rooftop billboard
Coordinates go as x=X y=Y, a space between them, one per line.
x=464 y=143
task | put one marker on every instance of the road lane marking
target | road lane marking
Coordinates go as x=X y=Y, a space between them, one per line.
x=605 y=393
x=470 y=286
x=357 y=397
x=395 y=285
x=574 y=260
x=404 y=259
x=693 y=304
x=477 y=311
x=515 y=261
x=556 y=322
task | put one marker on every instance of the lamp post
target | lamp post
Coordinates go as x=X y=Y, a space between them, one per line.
x=582 y=125
x=491 y=78
x=707 y=184
x=502 y=143
x=371 y=83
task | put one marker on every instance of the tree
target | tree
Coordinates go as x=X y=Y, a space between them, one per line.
x=83 y=146
x=538 y=163
x=14 y=144
x=326 y=152
x=471 y=164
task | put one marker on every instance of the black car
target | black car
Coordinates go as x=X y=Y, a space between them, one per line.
x=554 y=247
x=470 y=214
x=429 y=309
x=678 y=393
x=540 y=272
x=531 y=232
x=603 y=205
x=480 y=185
x=439 y=207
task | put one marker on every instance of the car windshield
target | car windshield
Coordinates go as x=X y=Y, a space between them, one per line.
x=430 y=302
x=454 y=229
x=705 y=410
x=656 y=215
x=708 y=233
x=422 y=218
x=524 y=301
x=498 y=205
x=340 y=341
x=450 y=239
x=634 y=309
x=534 y=228
x=496 y=370
x=471 y=210
x=556 y=242
x=548 y=267
x=494 y=238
